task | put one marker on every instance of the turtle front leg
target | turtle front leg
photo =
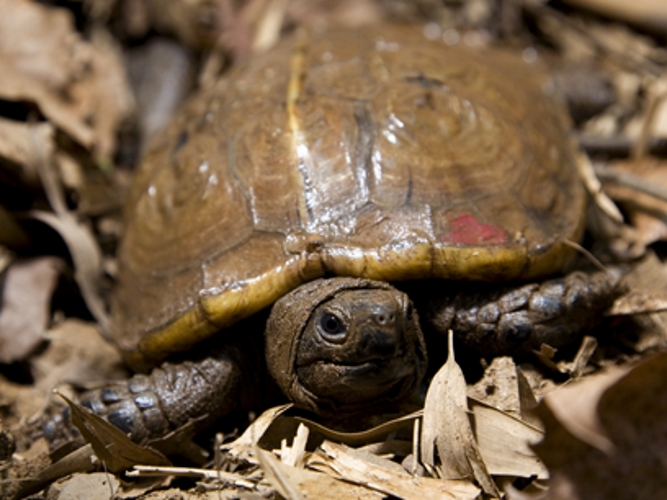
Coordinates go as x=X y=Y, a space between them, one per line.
x=514 y=320
x=150 y=406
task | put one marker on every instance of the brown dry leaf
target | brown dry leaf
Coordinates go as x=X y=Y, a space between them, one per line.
x=285 y=479
x=179 y=443
x=24 y=464
x=76 y=354
x=243 y=447
x=320 y=13
x=303 y=484
x=106 y=93
x=272 y=426
x=17 y=145
x=504 y=439
x=111 y=445
x=649 y=276
x=498 y=387
x=80 y=460
x=15 y=86
x=641 y=187
x=197 y=23
x=25 y=309
x=651 y=14
x=606 y=436
x=78 y=237
x=377 y=433
x=356 y=466
x=295 y=455
x=74 y=83
x=448 y=446
x=97 y=486
x=51 y=52
x=639 y=302
x=87 y=259
x=504 y=442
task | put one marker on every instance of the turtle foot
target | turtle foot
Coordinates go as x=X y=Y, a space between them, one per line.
x=515 y=320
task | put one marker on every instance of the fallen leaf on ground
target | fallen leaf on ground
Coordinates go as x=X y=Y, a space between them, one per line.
x=504 y=443
x=297 y=484
x=17 y=146
x=87 y=259
x=385 y=476
x=111 y=445
x=25 y=306
x=79 y=86
x=605 y=437
x=448 y=446
x=640 y=186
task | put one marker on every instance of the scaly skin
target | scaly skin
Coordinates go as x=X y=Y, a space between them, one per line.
x=377 y=339
x=213 y=382
x=513 y=320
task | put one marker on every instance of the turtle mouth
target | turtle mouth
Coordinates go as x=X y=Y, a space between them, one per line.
x=345 y=388
x=354 y=381
x=356 y=366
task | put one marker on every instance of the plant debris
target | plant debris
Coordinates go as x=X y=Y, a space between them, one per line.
x=87 y=85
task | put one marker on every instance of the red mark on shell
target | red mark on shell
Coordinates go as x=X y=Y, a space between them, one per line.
x=467 y=230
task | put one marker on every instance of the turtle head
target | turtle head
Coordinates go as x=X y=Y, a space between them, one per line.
x=345 y=346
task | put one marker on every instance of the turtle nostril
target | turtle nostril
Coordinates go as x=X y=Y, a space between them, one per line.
x=384 y=318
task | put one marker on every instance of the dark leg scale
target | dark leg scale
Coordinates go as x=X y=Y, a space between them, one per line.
x=211 y=386
x=514 y=320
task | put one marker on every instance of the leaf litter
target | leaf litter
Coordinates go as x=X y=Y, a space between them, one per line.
x=70 y=99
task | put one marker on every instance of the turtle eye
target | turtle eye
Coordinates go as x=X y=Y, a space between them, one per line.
x=331 y=328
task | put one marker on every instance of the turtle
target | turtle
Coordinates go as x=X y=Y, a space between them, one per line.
x=306 y=190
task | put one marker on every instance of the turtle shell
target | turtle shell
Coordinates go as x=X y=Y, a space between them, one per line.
x=374 y=153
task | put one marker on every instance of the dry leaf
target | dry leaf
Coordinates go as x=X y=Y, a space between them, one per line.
x=117 y=451
x=243 y=447
x=385 y=476
x=15 y=86
x=606 y=436
x=272 y=426
x=639 y=302
x=651 y=14
x=106 y=93
x=498 y=387
x=25 y=309
x=17 y=145
x=295 y=483
x=80 y=460
x=295 y=455
x=76 y=354
x=197 y=23
x=448 y=446
x=504 y=442
x=648 y=277
x=640 y=186
x=179 y=443
x=80 y=87
x=87 y=259
x=97 y=486
x=285 y=479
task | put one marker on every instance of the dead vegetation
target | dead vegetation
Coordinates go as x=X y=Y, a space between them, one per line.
x=87 y=84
